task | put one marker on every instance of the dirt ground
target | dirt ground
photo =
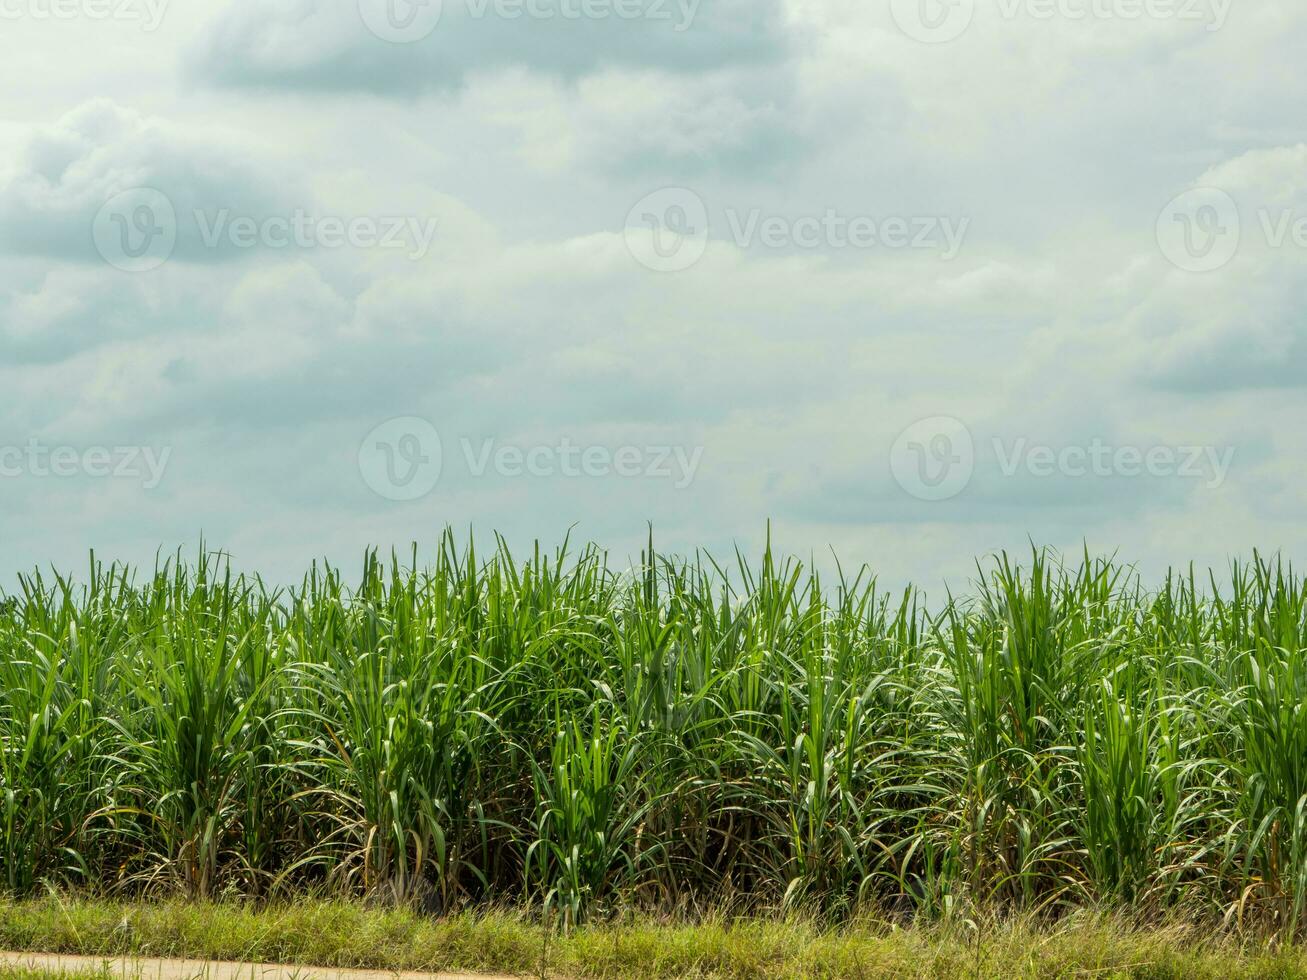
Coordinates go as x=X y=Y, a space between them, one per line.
x=147 y=968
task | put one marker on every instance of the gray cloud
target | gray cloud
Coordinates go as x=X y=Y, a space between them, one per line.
x=317 y=45
x=50 y=201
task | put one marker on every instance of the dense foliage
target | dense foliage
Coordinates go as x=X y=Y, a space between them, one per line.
x=678 y=736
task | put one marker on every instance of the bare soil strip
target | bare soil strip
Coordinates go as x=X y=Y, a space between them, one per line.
x=150 y=968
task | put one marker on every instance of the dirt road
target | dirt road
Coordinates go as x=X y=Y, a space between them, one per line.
x=146 y=968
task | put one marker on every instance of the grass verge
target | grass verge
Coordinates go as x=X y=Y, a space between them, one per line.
x=339 y=934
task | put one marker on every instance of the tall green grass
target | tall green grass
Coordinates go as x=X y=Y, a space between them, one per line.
x=680 y=736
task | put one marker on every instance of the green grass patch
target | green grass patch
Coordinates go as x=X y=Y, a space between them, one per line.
x=339 y=934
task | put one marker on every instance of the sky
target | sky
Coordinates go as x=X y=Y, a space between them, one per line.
x=907 y=281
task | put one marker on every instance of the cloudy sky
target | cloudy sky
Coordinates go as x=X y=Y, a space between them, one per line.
x=912 y=279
